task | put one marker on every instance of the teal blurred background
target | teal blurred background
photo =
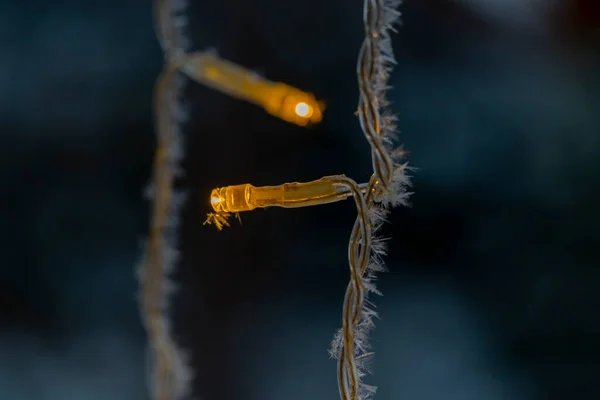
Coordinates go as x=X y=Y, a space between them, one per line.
x=494 y=276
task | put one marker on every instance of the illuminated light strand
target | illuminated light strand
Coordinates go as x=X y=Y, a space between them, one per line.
x=385 y=188
x=230 y=200
x=278 y=99
x=239 y=198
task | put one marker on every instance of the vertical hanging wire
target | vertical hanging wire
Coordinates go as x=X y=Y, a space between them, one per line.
x=386 y=188
x=168 y=375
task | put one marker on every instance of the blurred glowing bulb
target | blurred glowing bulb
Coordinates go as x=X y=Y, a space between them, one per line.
x=278 y=99
x=215 y=200
x=303 y=110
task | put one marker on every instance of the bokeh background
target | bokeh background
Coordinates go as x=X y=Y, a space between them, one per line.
x=494 y=276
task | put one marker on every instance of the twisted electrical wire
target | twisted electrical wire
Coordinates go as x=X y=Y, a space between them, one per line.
x=167 y=372
x=386 y=187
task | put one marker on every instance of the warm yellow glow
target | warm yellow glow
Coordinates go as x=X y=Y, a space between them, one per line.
x=293 y=105
x=303 y=110
x=277 y=98
x=239 y=198
x=230 y=200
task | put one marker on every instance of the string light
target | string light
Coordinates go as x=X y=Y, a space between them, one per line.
x=279 y=99
x=169 y=375
x=385 y=188
x=230 y=200
x=246 y=197
x=239 y=198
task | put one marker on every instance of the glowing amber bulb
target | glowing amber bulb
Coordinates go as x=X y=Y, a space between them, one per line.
x=215 y=199
x=278 y=99
x=245 y=197
x=293 y=105
x=303 y=110
x=235 y=199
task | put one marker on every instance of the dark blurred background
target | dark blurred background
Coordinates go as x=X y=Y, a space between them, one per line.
x=493 y=284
